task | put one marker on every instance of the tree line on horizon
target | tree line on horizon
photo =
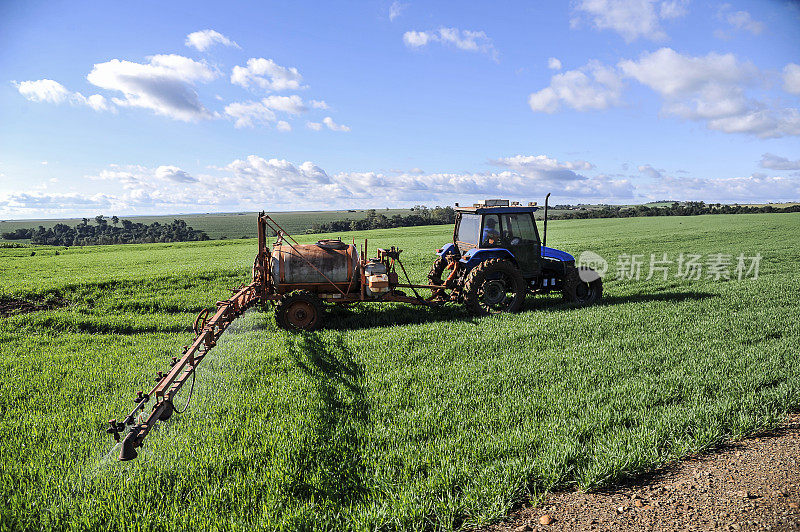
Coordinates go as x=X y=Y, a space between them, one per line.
x=421 y=215
x=85 y=234
x=689 y=208
x=447 y=215
x=128 y=232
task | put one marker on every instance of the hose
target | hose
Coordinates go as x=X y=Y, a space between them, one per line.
x=188 y=399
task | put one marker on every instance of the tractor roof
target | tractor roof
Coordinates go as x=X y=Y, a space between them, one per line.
x=497 y=207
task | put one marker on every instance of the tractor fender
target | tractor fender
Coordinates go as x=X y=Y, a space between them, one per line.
x=552 y=253
x=447 y=248
x=474 y=256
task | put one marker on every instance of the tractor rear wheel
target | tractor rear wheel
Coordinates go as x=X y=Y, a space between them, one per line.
x=494 y=286
x=582 y=287
x=300 y=310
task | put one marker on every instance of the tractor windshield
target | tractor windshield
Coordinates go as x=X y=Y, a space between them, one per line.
x=469 y=229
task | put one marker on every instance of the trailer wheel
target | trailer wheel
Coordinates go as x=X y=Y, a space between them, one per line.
x=582 y=287
x=494 y=286
x=300 y=310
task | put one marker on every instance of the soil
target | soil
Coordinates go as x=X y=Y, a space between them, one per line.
x=10 y=305
x=752 y=484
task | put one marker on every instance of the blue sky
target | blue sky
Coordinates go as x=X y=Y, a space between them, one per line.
x=169 y=107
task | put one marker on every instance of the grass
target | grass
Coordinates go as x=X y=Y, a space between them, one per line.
x=394 y=417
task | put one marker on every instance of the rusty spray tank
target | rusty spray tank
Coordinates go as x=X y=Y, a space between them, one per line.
x=311 y=264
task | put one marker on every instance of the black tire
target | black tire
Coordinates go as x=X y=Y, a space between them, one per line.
x=300 y=310
x=494 y=286
x=584 y=291
x=437 y=269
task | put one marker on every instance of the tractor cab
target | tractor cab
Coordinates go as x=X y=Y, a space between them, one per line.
x=497 y=255
x=497 y=229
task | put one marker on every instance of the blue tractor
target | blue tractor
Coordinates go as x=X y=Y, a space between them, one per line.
x=496 y=257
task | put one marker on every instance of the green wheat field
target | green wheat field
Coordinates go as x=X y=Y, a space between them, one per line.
x=393 y=417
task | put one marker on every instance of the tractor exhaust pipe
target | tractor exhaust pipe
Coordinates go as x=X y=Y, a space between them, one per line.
x=546 y=205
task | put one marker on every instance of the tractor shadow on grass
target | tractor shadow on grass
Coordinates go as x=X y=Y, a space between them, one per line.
x=329 y=465
x=366 y=316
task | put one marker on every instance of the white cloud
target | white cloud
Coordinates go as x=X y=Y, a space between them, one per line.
x=593 y=86
x=255 y=170
x=553 y=64
x=673 y=74
x=266 y=74
x=118 y=189
x=173 y=173
x=649 y=171
x=471 y=41
x=316 y=126
x=791 y=78
x=98 y=103
x=328 y=121
x=128 y=177
x=47 y=90
x=205 y=39
x=396 y=9
x=283 y=125
x=737 y=21
x=711 y=89
x=288 y=104
x=163 y=84
x=22 y=203
x=753 y=189
x=248 y=114
x=632 y=19
x=45 y=163
x=43 y=90
x=523 y=163
x=741 y=20
x=671 y=9
x=254 y=181
x=415 y=39
x=775 y=162
x=763 y=123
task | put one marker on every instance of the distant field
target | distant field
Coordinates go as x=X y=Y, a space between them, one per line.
x=394 y=417
x=224 y=225
x=243 y=224
x=233 y=225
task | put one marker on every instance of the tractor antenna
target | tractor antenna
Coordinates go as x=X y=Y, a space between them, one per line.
x=544 y=240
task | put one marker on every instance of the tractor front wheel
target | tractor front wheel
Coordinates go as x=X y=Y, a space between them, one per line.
x=494 y=286
x=437 y=269
x=582 y=286
x=300 y=310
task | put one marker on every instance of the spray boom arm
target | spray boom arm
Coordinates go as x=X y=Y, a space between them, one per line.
x=207 y=332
